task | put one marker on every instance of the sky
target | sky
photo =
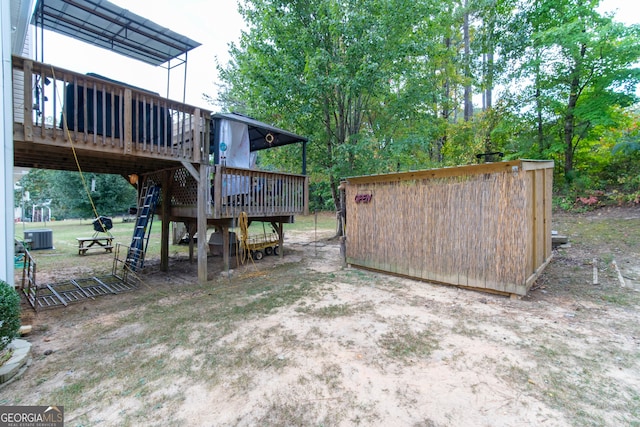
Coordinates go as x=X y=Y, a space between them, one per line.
x=627 y=11
x=214 y=24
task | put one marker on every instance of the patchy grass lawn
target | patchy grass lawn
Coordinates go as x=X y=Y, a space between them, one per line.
x=304 y=341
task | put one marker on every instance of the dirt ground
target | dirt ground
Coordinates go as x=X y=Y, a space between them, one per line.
x=303 y=340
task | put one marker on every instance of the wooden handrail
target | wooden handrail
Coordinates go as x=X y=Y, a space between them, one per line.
x=59 y=103
x=234 y=190
x=258 y=193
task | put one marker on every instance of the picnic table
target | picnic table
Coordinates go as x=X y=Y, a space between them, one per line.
x=86 y=243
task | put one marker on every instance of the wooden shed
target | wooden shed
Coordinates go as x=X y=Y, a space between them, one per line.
x=484 y=226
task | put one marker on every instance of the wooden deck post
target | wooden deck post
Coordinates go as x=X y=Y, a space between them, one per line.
x=203 y=191
x=28 y=100
x=166 y=213
x=281 y=239
x=306 y=196
x=197 y=140
x=126 y=120
x=217 y=192
x=192 y=229
x=225 y=247
x=204 y=194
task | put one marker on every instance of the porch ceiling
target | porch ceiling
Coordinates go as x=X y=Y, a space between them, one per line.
x=102 y=23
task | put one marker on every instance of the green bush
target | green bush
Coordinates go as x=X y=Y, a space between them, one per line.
x=9 y=314
x=320 y=197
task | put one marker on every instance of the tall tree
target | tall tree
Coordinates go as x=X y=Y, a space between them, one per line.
x=583 y=65
x=324 y=66
x=382 y=85
x=110 y=194
x=466 y=60
x=68 y=198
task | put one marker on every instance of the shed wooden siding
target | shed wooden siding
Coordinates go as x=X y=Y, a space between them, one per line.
x=482 y=226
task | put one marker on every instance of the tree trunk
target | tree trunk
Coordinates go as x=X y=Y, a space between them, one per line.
x=568 y=134
x=445 y=111
x=489 y=81
x=569 y=118
x=484 y=78
x=468 y=104
x=541 y=144
x=538 y=96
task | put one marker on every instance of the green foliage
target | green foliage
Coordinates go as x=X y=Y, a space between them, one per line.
x=629 y=145
x=111 y=194
x=9 y=314
x=377 y=85
x=583 y=66
x=320 y=197
x=331 y=69
x=37 y=185
x=69 y=195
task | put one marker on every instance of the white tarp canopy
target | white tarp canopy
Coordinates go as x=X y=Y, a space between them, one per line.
x=234 y=147
x=235 y=152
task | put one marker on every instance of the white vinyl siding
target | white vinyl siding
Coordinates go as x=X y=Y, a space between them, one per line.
x=18 y=81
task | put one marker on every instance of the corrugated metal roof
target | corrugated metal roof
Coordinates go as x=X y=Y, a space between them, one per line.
x=102 y=23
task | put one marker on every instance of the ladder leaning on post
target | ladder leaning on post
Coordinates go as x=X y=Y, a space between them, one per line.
x=142 y=229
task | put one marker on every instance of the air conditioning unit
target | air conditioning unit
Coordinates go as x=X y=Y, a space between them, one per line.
x=39 y=239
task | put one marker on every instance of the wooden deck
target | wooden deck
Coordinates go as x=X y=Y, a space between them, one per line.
x=113 y=128
x=65 y=120
x=262 y=195
x=110 y=127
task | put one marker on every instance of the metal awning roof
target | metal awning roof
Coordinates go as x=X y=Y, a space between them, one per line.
x=102 y=23
x=262 y=135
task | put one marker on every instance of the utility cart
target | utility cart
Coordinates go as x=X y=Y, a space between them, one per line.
x=256 y=245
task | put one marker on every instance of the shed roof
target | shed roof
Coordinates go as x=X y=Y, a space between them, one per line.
x=102 y=23
x=262 y=135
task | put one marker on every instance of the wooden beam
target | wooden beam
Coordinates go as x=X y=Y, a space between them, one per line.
x=438 y=173
x=528 y=165
x=191 y=169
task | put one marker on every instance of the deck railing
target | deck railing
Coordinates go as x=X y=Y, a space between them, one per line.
x=54 y=105
x=258 y=193
x=234 y=190
x=28 y=285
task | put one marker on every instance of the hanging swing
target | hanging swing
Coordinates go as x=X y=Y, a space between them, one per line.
x=102 y=224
